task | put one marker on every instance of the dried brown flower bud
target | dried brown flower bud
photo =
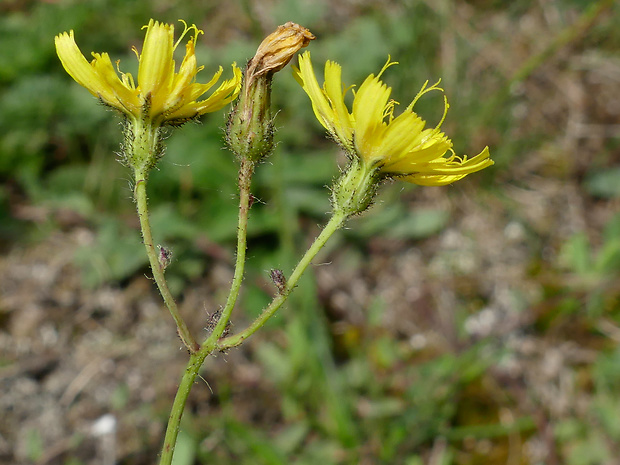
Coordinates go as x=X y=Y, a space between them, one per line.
x=277 y=49
x=249 y=132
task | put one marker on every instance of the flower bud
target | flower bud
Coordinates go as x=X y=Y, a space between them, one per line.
x=249 y=132
x=277 y=49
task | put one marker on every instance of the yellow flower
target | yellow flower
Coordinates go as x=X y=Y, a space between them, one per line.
x=390 y=146
x=162 y=96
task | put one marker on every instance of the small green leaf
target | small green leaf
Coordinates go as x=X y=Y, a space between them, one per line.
x=604 y=184
x=576 y=253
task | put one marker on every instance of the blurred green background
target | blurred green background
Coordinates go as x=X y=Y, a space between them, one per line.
x=470 y=324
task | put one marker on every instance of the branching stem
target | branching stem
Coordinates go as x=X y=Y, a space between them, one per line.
x=334 y=223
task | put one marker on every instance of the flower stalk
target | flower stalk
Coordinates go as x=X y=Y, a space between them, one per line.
x=213 y=341
x=245 y=179
x=178 y=406
x=140 y=176
x=335 y=222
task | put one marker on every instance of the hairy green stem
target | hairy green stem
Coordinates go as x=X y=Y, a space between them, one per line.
x=197 y=359
x=334 y=223
x=156 y=267
x=245 y=179
x=211 y=343
x=174 y=421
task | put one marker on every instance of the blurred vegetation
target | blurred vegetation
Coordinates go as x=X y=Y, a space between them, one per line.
x=349 y=391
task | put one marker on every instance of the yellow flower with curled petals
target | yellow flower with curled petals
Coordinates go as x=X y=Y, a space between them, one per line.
x=161 y=95
x=386 y=145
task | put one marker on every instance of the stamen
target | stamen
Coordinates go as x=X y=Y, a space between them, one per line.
x=389 y=110
x=131 y=81
x=445 y=112
x=126 y=78
x=185 y=31
x=388 y=63
x=423 y=91
x=352 y=88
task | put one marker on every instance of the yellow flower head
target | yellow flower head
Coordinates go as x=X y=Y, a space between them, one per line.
x=398 y=146
x=162 y=95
